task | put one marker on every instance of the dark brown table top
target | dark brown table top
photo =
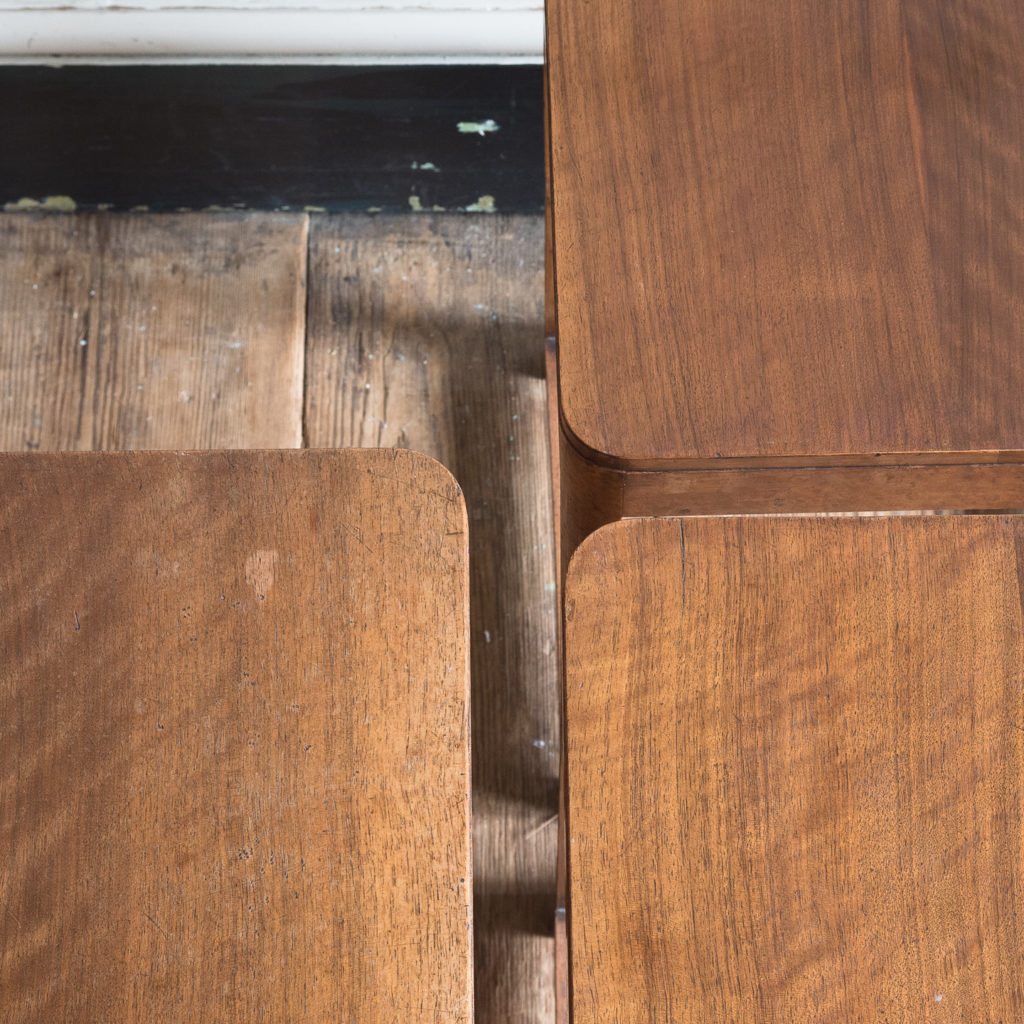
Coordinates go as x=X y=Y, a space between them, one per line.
x=787 y=232
x=796 y=770
x=234 y=750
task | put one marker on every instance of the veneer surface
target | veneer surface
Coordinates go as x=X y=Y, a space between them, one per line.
x=796 y=771
x=788 y=232
x=234 y=738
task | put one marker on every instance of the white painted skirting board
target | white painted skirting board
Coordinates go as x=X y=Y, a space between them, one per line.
x=342 y=31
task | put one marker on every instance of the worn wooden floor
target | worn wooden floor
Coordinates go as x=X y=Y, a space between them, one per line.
x=281 y=330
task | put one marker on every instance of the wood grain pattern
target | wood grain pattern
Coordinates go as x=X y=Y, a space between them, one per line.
x=796 y=770
x=193 y=329
x=592 y=495
x=842 y=489
x=427 y=332
x=233 y=738
x=791 y=230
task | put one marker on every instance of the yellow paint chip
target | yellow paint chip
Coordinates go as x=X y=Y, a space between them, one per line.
x=22 y=204
x=63 y=204
x=57 y=204
x=485 y=204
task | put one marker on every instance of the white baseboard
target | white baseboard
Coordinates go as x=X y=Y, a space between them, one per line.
x=340 y=32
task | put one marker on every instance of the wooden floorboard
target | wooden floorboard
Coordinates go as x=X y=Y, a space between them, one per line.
x=428 y=333
x=135 y=331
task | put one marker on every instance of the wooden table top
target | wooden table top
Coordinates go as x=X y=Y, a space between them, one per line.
x=787 y=231
x=234 y=749
x=796 y=771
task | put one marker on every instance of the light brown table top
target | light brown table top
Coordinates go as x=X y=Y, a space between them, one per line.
x=234 y=751
x=789 y=231
x=796 y=771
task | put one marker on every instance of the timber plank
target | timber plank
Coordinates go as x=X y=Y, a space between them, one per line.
x=795 y=782
x=136 y=331
x=234 y=765
x=427 y=333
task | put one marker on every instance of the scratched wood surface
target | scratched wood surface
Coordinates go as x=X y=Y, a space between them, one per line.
x=428 y=332
x=796 y=770
x=788 y=230
x=127 y=331
x=234 y=765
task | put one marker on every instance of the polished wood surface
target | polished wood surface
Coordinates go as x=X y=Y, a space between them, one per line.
x=788 y=230
x=136 y=331
x=591 y=495
x=796 y=770
x=234 y=761
x=427 y=332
